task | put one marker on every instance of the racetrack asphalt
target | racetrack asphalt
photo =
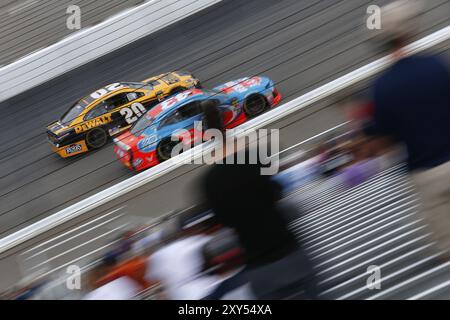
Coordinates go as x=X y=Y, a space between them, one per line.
x=299 y=44
x=29 y=25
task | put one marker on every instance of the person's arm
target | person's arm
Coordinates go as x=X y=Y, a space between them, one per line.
x=380 y=132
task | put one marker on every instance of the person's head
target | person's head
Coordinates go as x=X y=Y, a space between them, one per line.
x=399 y=22
x=213 y=121
x=213 y=118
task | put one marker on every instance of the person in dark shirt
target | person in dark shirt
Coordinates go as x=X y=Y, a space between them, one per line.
x=245 y=200
x=412 y=106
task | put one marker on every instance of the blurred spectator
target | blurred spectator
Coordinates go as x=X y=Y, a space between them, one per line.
x=129 y=258
x=133 y=268
x=412 y=106
x=225 y=257
x=120 y=288
x=179 y=263
x=235 y=286
x=223 y=254
x=297 y=175
x=246 y=201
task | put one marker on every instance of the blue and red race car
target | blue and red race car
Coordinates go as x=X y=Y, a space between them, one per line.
x=149 y=140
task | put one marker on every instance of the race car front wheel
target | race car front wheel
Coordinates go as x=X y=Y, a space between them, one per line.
x=96 y=138
x=164 y=149
x=255 y=105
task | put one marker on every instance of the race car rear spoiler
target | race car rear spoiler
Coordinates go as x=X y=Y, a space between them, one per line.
x=54 y=126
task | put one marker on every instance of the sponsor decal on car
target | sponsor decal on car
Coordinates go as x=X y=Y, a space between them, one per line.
x=148 y=144
x=74 y=148
x=87 y=125
x=137 y=162
x=240 y=85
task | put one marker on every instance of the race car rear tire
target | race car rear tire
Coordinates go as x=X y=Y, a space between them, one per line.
x=96 y=138
x=255 y=105
x=164 y=149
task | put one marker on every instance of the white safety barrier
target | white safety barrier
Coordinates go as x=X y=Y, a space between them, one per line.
x=154 y=173
x=92 y=43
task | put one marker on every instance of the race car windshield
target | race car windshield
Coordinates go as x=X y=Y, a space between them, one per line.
x=139 y=85
x=142 y=124
x=73 y=112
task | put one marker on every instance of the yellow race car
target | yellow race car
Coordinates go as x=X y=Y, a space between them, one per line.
x=111 y=110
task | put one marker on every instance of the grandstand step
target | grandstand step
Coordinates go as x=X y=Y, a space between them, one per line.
x=344 y=280
x=436 y=289
x=345 y=231
x=390 y=278
x=422 y=285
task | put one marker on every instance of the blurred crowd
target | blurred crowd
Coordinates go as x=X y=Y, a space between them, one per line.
x=224 y=249
x=244 y=249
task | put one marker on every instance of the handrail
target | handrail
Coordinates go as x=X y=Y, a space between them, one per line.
x=91 y=43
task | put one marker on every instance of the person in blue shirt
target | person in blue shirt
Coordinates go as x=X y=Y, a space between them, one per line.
x=412 y=106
